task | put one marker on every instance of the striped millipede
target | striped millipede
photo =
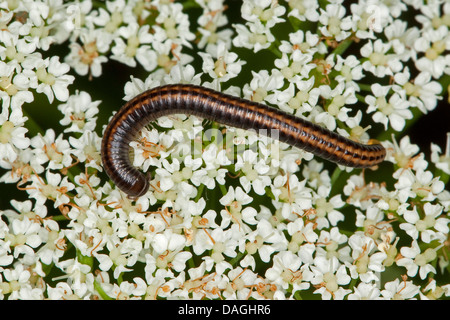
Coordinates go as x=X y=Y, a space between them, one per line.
x=225 y=109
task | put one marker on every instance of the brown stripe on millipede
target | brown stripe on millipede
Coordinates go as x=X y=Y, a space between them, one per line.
x=225 y=109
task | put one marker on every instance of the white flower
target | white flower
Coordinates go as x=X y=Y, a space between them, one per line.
x=369 y=18
x=183 y=74
x=263 y=85
x=330 y=243
x=55 y=245
x=265 y=240
x=61 y=291
x=210 y=22
x=24 y=237
x=365 y=291
x=304 y=10
x=123 y=255
x=434 y=291
x=329 y=275
x=420 y=183
x=402 y=38
x=87 y=58
x=137 y=47
x=12 y=135
x=76 y=272
x=53 y=187
x=202 y=240
x=72 y=19
x=396 y=290
x=257 y=37
x=416 y=261
x=168 y=246
x=325 y=209
x=335 y=23
x=295 y=67
x=357 y=192
x=415 y=225
x=372 y=221
x=299 y=97
x=16 y=282
x=288 y=270
x=430 y=11
x=14 y=87
x=5 y=249
x=55 y=150
x=255 y=172
x=38 y=11
x=423 y=93
x=79 y=113
x=224 y=242
x=300 y=42
x=379 y=62
x=173 y=25
x=224 y=67
x=292 y=196
x=111 y=18
x=266 y=11
x=442 y=161
x=300 y=233
x=212 y=173
x=234 y=200
x=242 y=281
x=168 y=56
x=357 y=132
x=15 y=48
x=338 y=98
x=53 y=80
x=367 y=261
x=405 y=155
x=315 y=174
x=393 y=112
x=350 y=70
x=171 y=175
x=433 y=43
x=87 y=149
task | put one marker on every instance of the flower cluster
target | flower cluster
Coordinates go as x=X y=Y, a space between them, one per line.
x=229 y=214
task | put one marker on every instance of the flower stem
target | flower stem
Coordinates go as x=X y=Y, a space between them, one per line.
x=100 y=291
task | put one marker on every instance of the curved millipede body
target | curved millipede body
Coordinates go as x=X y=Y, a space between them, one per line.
x=225 y=109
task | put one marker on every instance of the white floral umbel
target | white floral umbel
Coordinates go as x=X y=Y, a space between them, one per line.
x=230 y=214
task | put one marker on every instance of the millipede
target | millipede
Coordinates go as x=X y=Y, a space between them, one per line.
x=226 y=109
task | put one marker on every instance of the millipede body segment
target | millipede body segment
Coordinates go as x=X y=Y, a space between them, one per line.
x=225 y=109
